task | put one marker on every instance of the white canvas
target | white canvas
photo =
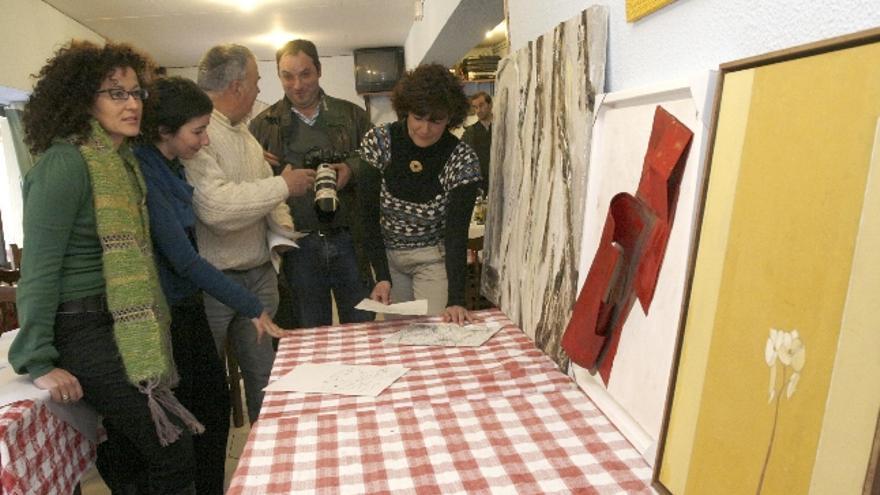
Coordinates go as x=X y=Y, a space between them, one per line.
x=635 y=396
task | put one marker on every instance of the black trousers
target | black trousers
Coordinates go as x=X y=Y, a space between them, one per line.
x=131 y=460
x=203 y=390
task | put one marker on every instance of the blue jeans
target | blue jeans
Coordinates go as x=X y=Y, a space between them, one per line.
x=321 y=264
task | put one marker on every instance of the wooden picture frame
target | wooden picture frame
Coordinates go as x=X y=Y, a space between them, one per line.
x=636 y=9
x=782 y=298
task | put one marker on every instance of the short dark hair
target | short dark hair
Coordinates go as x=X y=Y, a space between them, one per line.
x=60 y=106
x=297 y=46
x=173 y=102
x=484 y=94
x=431 y=91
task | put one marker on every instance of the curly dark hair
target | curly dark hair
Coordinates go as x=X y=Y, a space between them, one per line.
x=431 y=91
x=64 y=93
x=173 y=102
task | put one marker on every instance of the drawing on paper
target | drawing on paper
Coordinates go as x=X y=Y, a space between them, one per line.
x=444 y=334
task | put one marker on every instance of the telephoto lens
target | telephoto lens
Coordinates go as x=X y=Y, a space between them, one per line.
x=326 y=201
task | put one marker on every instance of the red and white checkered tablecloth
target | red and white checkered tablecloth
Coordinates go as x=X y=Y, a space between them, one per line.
x=508 y=364
x=40 y=453
x=500 y=418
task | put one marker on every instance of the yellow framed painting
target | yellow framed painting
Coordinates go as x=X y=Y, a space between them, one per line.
x=636 y=9
x=777 y=382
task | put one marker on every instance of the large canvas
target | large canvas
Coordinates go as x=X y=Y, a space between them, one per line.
x=778 y=384
x=634 y=396
x=544 y=98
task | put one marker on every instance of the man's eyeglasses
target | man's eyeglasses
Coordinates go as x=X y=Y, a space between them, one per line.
x=122 y=95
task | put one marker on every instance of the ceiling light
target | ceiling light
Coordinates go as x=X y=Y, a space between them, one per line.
x=499 y=30
x=276 y=38
x=246 y=6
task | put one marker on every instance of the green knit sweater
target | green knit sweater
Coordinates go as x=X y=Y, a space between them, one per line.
x=62 y=254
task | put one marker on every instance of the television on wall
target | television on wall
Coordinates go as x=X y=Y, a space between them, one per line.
x=377 y=69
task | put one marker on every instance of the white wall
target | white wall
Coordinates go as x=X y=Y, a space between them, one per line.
x=337 y=79
x=10 y=190
x=692 y=35
x=31 y=32
x=423 y=33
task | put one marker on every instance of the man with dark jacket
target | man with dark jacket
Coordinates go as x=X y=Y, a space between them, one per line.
x=479 y=134
x=305 y=122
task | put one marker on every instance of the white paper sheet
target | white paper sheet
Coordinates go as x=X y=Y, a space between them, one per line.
x=339 y=379
x=444 y=334
x=279 y=244
x=419 y=307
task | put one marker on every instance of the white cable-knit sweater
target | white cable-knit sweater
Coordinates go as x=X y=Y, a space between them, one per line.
x=237 y=198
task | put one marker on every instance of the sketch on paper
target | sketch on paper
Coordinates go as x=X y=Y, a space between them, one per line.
x=342 y=379
x=444 y=334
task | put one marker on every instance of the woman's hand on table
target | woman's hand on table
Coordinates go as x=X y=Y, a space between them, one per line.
x=264 y=324
x=62 y=386
x=457 y=315
x=382 y=292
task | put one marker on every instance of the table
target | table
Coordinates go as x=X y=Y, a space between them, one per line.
x=501 y=418
x=40 y=451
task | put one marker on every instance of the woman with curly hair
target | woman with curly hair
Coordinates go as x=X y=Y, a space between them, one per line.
x=418 y=195
x=94 y=323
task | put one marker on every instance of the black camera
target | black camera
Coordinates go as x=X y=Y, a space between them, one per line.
x=326 y=201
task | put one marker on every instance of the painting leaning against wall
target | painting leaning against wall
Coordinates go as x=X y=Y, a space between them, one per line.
x=776 y=389
x=544 y=98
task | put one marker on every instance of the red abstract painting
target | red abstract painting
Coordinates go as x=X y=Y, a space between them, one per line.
x=630 y=253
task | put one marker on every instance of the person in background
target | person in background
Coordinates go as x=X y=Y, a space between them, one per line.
x=237 y=201
x=479 y=134
x=94 y=323
x=418 y=194
x=175 y=127
x=330 y=259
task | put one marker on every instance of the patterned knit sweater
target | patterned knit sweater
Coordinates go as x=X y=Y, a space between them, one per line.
x=406 y=208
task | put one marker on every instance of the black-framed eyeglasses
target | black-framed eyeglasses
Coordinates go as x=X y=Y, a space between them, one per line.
x=122 y=95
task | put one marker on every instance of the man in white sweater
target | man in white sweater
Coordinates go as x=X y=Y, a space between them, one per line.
x=237 y=201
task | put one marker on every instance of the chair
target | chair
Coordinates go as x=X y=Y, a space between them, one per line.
x=473 y=299
x=8 y=314
x=233 y=377
x=16 y=256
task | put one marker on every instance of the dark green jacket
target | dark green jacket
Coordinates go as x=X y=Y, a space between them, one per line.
x=342 y=125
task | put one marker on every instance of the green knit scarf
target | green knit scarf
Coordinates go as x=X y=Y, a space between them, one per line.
x=134 y=295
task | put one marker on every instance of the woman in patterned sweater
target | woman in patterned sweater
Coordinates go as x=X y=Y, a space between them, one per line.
x=418 y=194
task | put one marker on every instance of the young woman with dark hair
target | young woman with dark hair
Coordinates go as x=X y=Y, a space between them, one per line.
x=175 y=128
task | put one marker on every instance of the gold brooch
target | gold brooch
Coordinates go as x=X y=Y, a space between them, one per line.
x=415 y=166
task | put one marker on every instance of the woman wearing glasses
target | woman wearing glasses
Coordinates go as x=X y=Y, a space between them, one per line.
x=94 y=323
x=175 y=123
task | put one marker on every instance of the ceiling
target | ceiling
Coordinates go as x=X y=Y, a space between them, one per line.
x=177 y=32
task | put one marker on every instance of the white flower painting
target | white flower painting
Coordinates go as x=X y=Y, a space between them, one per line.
x=785 y=354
